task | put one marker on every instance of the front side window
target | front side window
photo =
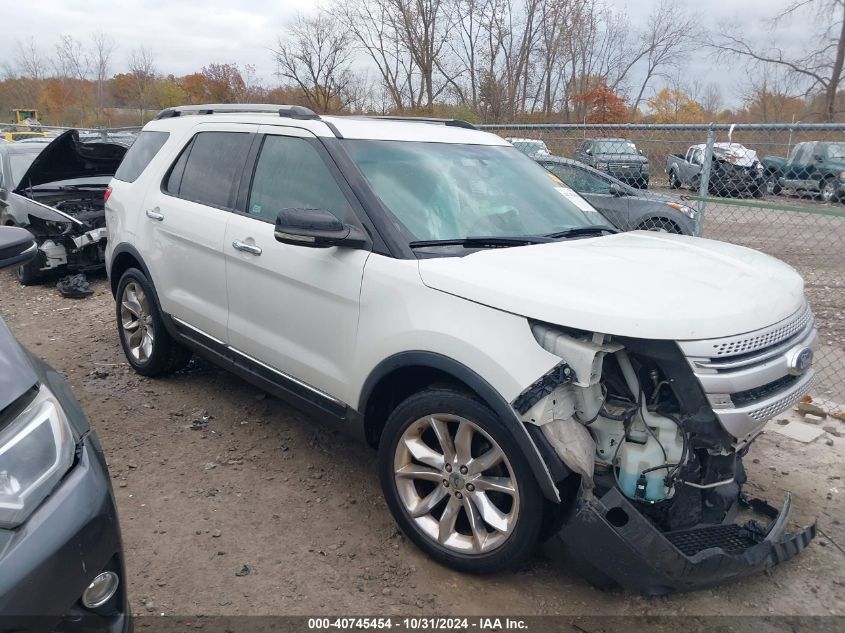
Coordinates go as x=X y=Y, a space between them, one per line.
x=291 y=175
x=207 y=168
x=580 y=180
x=443 y=191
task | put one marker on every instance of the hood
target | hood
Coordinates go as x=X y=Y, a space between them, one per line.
x=17 y=375
x=639 y=284
x=67 y=157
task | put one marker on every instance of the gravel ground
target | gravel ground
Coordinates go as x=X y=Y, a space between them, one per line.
x=260 y=509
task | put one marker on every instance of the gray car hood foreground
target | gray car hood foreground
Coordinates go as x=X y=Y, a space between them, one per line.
x=17 y=375
x=639 y=284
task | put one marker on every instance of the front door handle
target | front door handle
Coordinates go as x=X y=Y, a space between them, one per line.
x=154 y=214
x=252 y=249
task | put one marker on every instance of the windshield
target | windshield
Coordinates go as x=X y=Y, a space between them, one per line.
x=614 y=147
x=19 y=163
x=444 y=191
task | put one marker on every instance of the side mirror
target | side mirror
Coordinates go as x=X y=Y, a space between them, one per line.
x=17 y=246
x=588 y=151
x=819 y=158
x=316 y=228
x=640 y=152
x=616 y=191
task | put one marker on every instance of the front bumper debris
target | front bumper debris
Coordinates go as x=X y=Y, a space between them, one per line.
x=610 y=543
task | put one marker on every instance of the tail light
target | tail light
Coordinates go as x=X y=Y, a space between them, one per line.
x=107 y=194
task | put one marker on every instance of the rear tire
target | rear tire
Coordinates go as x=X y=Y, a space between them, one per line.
x=149 y=348
x=458 y=484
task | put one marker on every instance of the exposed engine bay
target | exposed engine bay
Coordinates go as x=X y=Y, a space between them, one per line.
x=656 y=466
x=60 y=200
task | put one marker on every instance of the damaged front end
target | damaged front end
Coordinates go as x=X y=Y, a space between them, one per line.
x=60 y=200
x=657 y=431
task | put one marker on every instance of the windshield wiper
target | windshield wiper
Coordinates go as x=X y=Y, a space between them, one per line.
x=490 y=241
x=582 y=230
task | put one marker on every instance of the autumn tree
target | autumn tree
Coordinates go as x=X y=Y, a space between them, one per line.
x=602 y=105
x=673 y=105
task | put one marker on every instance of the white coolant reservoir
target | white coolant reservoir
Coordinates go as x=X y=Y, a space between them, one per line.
x=637 y=458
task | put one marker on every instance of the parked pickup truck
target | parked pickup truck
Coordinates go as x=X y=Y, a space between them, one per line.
x=735 y=170
x=813 y=166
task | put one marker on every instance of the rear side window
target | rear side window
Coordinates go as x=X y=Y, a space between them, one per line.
x=291 y=174
x=138 y=156
x=208 y=167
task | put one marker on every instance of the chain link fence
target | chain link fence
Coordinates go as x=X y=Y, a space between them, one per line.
x=778 y=189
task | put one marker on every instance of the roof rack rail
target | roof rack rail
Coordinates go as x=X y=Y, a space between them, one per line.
x=291 y=111
x=423 y=119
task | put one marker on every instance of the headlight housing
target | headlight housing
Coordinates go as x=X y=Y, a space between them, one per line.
x=842 y=175
x=36 y=450
x=687 y=211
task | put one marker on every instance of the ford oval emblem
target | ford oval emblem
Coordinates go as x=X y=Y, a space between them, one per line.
x=799 y=360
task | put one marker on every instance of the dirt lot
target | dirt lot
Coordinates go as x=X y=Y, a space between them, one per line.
x=264 y=486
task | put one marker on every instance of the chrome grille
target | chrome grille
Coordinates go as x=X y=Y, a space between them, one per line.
x=771 y=409
x=748 y=362
x=770 y=336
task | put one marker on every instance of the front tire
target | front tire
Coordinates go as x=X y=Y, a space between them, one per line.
x=458 y=484
x=674 y=181
x=28 y=273
x=150 y=350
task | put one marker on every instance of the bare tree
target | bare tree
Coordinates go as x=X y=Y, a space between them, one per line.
x=424 y=30
x=103 y=49
x=819 y=66
x=143 y=71
x=72 y=60
x=29 y=59
x=661 y=45
x=378 y=33
x=315 y=53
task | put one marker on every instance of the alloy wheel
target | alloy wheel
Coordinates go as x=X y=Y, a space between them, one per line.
x=136 y=322
x=456 y=484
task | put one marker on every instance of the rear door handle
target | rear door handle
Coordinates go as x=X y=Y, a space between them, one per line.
x=154 y=214
x=252 y=249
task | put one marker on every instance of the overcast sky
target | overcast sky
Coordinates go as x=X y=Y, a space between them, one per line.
x=187 y=34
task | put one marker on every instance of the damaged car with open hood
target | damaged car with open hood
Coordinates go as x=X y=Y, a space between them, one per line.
x=527 y=373
x=60 y=200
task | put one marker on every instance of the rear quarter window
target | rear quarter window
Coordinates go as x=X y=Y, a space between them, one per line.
x=143 y=150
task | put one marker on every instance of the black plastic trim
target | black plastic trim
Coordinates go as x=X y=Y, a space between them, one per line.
x=560 y=374
x=483 y=389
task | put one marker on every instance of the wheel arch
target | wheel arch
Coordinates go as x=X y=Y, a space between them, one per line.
x=124 y=257
x=405 y=373
x=652 y=219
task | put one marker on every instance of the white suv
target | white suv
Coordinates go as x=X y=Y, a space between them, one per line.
x=527 y=372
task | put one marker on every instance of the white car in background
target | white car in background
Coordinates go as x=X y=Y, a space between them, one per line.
x=530 y=146
x=528 y=373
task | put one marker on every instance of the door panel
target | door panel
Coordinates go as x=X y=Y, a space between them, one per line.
x=293 y=308
x=182 y=239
